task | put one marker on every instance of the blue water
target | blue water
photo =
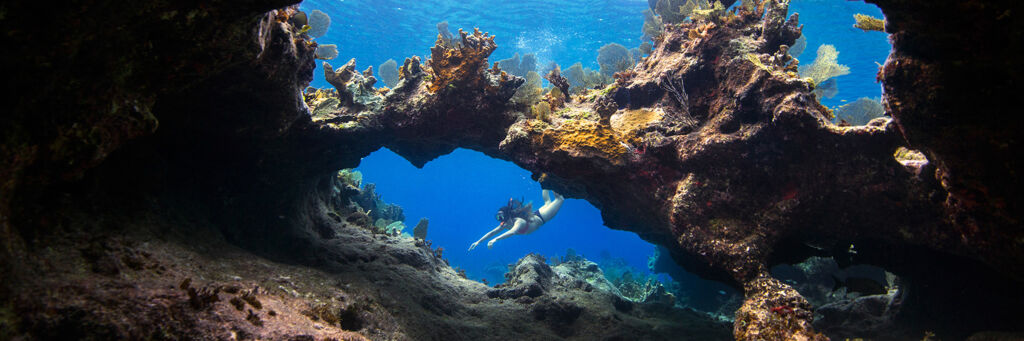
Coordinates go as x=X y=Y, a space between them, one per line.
x=460 y=192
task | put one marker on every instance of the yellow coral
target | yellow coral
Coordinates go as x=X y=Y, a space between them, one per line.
x=824 y=66
x=585 y=137
x=464 y=62
x=632 y=123
x=869 y=23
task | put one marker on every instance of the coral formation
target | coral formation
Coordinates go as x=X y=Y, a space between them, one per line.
x=860 y=112
x=420 y=231
x=319 y=22
x=581 y=79
x=452 y=66
x=868 y=23
x=519 y=67
x=558 y=81
x=388 y=72
x=614 y=58
x=825 y=66
x=530 y=92
x=326 y=51
x=653 y=26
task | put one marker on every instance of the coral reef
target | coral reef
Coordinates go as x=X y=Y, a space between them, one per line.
x=205 y=163
x=558 y=81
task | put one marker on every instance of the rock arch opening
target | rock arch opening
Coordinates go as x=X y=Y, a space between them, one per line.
x=458 y=193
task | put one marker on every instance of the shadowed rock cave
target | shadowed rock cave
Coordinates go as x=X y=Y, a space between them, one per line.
x=168 y=181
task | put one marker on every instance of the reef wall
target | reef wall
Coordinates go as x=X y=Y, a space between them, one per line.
x=149 y=143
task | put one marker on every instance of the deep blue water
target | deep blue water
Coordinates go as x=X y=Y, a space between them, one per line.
x=460 y=192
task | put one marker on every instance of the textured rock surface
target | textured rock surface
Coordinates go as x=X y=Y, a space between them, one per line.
x=711 y=147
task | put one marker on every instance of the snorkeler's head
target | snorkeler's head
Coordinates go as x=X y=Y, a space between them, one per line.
x=508 y=211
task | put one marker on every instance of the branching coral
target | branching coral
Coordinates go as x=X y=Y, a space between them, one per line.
x=869 y=23
x=451 y=65
x=824 y=66
x=556 y=79
x=388 y=72
x=353 y=88
x=340 y=79
x=614 y=58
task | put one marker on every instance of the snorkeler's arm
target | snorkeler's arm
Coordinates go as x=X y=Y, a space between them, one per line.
x=520 y=224
x=488 y=235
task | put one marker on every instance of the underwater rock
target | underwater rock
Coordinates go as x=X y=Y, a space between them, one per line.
x=734 y=157
x=721 y=154
x=947 y=91
x=866 y=316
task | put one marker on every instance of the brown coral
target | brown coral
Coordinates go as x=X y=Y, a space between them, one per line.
x=451 y=65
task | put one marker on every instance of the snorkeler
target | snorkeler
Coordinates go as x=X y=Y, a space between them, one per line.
x=520 y=219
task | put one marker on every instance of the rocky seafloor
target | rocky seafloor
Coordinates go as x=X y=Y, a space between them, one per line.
x=167 y=175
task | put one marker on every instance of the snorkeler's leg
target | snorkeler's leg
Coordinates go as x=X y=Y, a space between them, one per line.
x=549 y=209
x=547 y=197
x=520 y=224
